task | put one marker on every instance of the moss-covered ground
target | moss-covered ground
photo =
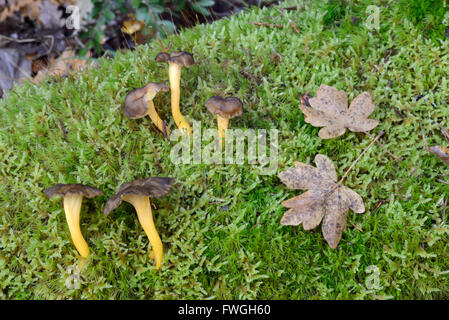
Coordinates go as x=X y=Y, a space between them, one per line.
x=220 y=224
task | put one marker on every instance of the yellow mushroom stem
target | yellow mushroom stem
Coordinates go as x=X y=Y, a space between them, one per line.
x=223 y=124
x=72 y=208
x=143 y=209
x=155 y=117
x=174 y=75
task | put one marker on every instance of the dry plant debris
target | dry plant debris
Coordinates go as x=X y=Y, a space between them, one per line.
x=32 y=9
x=326 y=199
x=132 y=25
x=441 y=152
x=329 y=109
x=134 y=28
x=67 y=63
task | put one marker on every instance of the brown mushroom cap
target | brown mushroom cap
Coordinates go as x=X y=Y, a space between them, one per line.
x=67 y=189
x=227 y=108
x=181 y=58
x=154 y=187
x=162 y=57
x=135 y=105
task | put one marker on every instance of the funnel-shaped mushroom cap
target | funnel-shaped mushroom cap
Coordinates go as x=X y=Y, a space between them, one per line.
x=132 y=25
x=227 y=108
x=135 y=105
x=162 y=57
x=181 y=58
x=154 y=187
x=67 y=189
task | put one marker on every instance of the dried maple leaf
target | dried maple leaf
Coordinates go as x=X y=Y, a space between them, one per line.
x=326 y=199
x=441 y=152
x=330 y=110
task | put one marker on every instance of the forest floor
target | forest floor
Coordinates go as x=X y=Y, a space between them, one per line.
x=220 y=225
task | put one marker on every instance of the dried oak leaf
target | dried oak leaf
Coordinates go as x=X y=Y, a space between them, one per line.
x=330 y=110
x=326 y=199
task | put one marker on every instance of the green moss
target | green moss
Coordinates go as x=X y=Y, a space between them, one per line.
x=220 y=224
x=428 y=16
x=335 y=10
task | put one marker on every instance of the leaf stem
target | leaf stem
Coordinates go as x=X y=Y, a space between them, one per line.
x=385 y=148
x=358 y=158
x=424 y=138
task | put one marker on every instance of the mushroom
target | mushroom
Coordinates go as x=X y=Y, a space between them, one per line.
x=225 y=109
x=138 y=193
x=72 y=198
x=176 y=60
x=132 y=25
x=139 y=103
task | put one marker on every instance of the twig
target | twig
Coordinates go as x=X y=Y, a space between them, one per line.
x=398 y=113
x=444 y=132
x=52 y=41
x=388 y=55
x=378 y=204
x=358 y=158
x=294 y=26
x=19 y=40
x=164 y=129
x=444 y=211
x=290 y=8
x=59 y=123
x=398 y=193
x=270 y=3
x=357 y=227
x=385 y=148
x=264 y=24
x=424 y=138
x=257 y=224
x=61 y=127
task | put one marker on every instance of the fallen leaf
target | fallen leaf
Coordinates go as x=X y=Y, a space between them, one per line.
x=136 y=30
x=50 y=16
x=132 y=25
x=67 y=63
x=33 y=9
x=326 y=200
x=14 y=66
x=441 y=152
x=39 y=64
x=27 y=8
x=330 y=110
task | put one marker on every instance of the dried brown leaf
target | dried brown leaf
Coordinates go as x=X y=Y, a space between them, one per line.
x=326 y=200
x=67 y=63
x=329 y=109
x=441 y=152
x=31 y=9
x=132 y=25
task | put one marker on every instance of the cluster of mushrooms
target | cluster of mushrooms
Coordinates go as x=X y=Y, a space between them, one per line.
x=137 y=192
x=139 y=103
